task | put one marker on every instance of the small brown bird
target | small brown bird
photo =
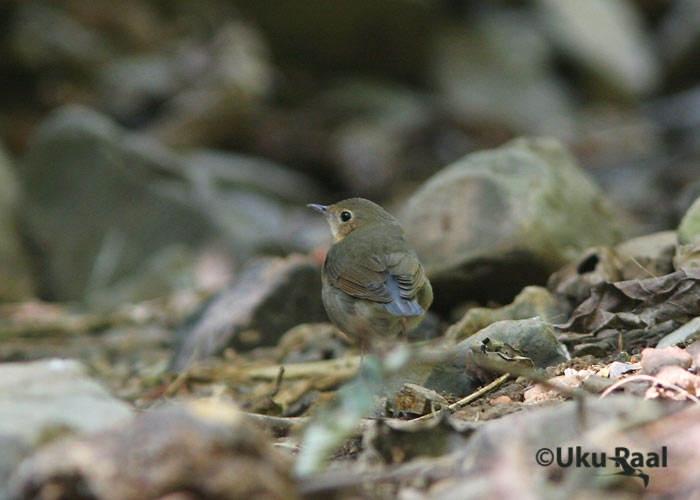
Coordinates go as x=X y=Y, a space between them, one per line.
x=373 y=283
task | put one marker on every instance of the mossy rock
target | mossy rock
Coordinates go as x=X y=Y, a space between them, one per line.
x=498 y=220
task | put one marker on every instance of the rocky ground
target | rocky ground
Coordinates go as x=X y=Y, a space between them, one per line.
x=161 y=324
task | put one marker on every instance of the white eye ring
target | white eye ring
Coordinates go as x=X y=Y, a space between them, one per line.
x=345 y=215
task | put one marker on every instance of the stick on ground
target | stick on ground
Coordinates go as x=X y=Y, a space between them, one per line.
x=468 y=399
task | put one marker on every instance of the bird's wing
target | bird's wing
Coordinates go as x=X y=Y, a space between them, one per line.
x=364 y=278
x=408 y=273
x=393 y=280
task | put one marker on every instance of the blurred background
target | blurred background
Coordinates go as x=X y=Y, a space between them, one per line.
x=157 y=144
x=156 y=158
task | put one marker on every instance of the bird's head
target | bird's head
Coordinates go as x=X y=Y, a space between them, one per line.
x=349 y=215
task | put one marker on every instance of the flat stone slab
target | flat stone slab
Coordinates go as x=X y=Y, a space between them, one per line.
x=43 y=397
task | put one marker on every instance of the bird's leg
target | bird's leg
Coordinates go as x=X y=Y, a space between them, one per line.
x=404 y=330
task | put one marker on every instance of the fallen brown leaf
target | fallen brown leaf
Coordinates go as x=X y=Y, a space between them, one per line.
x=638 y=303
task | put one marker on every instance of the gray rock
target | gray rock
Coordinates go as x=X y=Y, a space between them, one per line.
x=531 y=302
x=268 y=298
x=679 y=37
x=502 y=219
x=116 y=217
x=128 y=85
x=689 y=228
x=683 y=335
x=680 y=113
x=496 y=69
x=169 y=268
x=444 y=375
x=244 y=172
x=418 y=400
x=647 y=256
x=440 y=370
x=255 y=202
x=54 y=392
x=688 y=248
x=98 y=201
x=524 y=344
x=638 y=181
x=16 y=281
x=222 y=70
x=687 y=256
x=595 y=384
x=205 y=447
x=44 y=397
x=654 y=360
x=690 y=182
x=606 y=40
x=458 y=370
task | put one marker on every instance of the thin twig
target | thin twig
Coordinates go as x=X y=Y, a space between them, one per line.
x=278 y=382
x=468 y=399
x=342 y=368
x=642 y=267
x=578 y=395
x=175 y=385
x=182 y=377
x=620 y=343
x=650 y=378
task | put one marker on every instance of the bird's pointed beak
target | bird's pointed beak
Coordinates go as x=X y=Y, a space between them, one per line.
x=319 y=208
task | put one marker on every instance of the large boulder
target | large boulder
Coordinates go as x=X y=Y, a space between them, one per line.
x=501 y=219
x=98 y=201
x=115 y=217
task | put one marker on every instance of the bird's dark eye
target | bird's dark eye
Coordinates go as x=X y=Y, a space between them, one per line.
x=345 y=216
